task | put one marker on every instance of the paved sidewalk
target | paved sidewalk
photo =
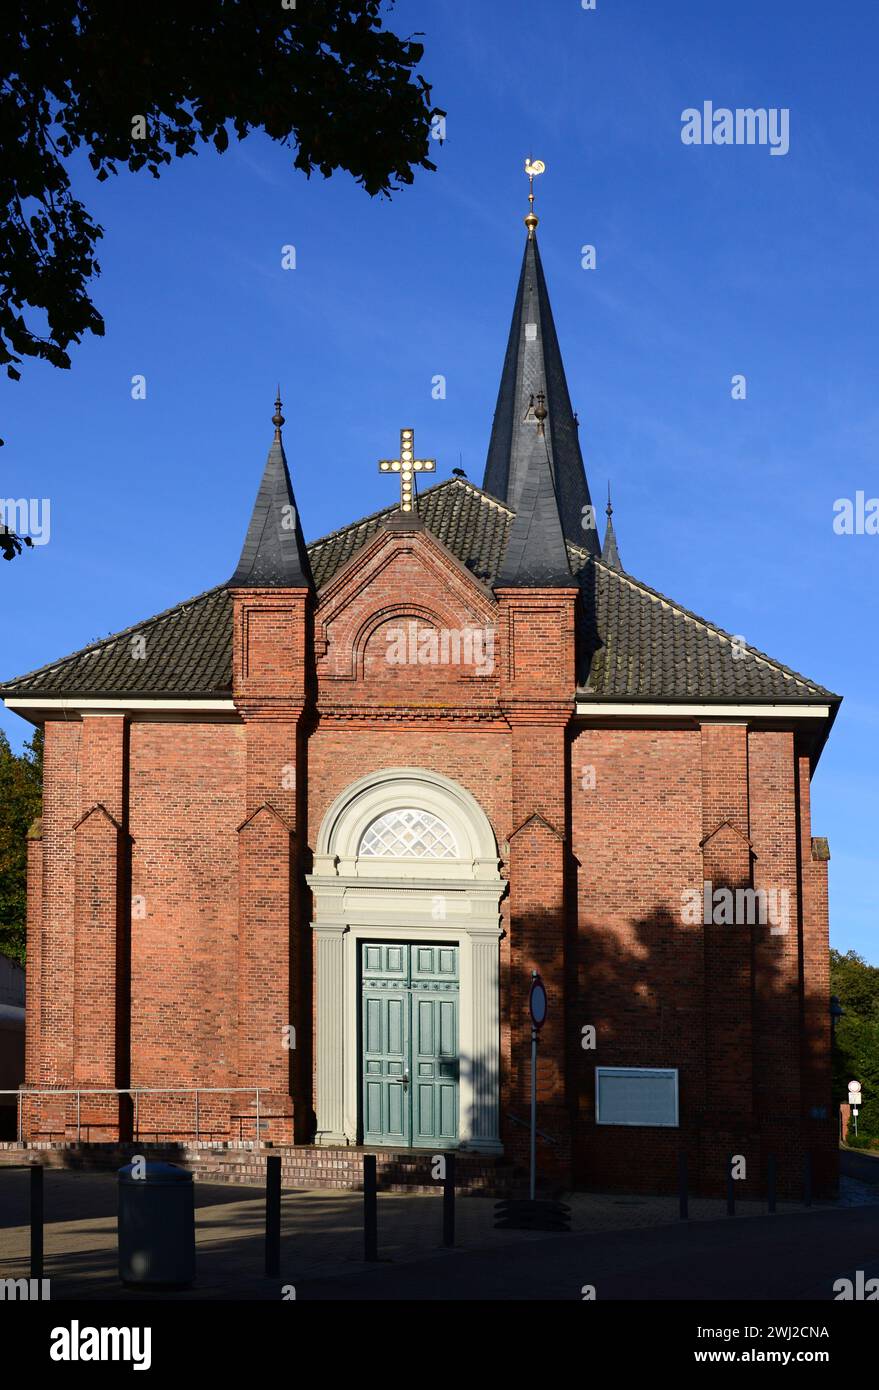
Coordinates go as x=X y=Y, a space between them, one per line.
x=797 y=1257
x=322 y=1233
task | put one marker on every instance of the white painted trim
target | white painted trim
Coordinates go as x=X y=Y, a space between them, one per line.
x=470 y=1004
x=599 y=709
x=603 y=709
x=338 y=841
x=74 y=705
x=455 y=901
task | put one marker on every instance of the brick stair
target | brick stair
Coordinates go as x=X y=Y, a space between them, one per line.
x=302 y=1166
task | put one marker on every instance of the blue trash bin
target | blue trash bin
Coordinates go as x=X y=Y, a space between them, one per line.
x=156 y=1225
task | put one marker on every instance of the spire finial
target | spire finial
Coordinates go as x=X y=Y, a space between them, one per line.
x=532 y=168
x=277 y=418
x=609 y=551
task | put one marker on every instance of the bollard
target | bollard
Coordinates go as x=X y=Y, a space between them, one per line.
x=370 y=1209
x=683 y=1194
x=770 y=1182
x=273 y=1216
x=449 y=1203
x=36 y=1213
x=807 y=1180
x=730 y=1189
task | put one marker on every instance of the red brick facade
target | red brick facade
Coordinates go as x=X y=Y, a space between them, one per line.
x=170 y=940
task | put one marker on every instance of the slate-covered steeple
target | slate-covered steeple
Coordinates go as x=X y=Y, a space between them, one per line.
x=609 y=553
x=533 y=366
x=536 y=554
x=274 y=554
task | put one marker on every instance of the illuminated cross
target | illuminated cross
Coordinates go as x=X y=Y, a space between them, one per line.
x=405 y=465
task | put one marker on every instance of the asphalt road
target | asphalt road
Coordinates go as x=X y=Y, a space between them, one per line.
x=863 y=1166
x=761 y=1258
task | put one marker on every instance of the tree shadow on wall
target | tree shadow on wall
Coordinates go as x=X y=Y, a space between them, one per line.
x=722 y=1005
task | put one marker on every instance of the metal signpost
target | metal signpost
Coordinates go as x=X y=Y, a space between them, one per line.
x=537 y=1004
x=855 y=1099
x=527 y=1214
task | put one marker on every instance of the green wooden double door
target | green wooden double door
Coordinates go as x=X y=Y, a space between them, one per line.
x=409 y=1044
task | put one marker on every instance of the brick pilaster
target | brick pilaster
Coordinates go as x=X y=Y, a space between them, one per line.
x=271 y=689
x=33 y=1042
x=816 y=1073
x=537 y=628
x=777 y=981
x=101 y=1002
x=726 y=867
x=51 y=935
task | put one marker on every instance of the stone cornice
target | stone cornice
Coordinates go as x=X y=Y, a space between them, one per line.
x=474 y=713
x=271 y=709
x=487 y=889
x=556 y=713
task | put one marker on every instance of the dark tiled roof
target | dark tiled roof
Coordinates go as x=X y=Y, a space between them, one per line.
x=186 y=650
x=472 y=524
x=636 y=643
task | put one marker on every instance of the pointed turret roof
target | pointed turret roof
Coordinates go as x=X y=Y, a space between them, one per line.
x=536 y=553
x=533 y=365
x=609 y=553
x=274 y=554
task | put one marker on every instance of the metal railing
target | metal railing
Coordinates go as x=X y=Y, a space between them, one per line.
x=135 y=1092
x=541 y=1133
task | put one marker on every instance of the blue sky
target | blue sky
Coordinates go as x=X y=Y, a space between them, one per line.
x=711 y=261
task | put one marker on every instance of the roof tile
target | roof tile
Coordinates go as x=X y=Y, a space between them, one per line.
x=635 y=642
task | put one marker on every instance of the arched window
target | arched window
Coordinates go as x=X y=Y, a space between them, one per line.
x=408 y=833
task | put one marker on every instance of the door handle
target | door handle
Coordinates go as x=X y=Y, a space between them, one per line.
x=405 y=1080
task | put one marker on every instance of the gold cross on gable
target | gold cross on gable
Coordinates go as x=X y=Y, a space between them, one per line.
x=406 y=465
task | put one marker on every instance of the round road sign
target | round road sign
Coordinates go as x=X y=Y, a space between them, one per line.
x=537 y=1001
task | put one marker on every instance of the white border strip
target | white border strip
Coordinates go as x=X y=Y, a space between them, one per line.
x=596 y=709
x=159 y=706
x=602 y=709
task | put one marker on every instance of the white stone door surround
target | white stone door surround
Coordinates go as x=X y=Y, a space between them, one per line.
x=380 y=897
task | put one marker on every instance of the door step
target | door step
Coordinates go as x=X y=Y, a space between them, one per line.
x=303 y=1166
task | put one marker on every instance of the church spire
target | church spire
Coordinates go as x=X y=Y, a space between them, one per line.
x=274 y=554
x=533 y=365
x=609 y=553
x=536 y=554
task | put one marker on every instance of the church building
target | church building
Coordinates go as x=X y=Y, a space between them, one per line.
x=307 y=836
